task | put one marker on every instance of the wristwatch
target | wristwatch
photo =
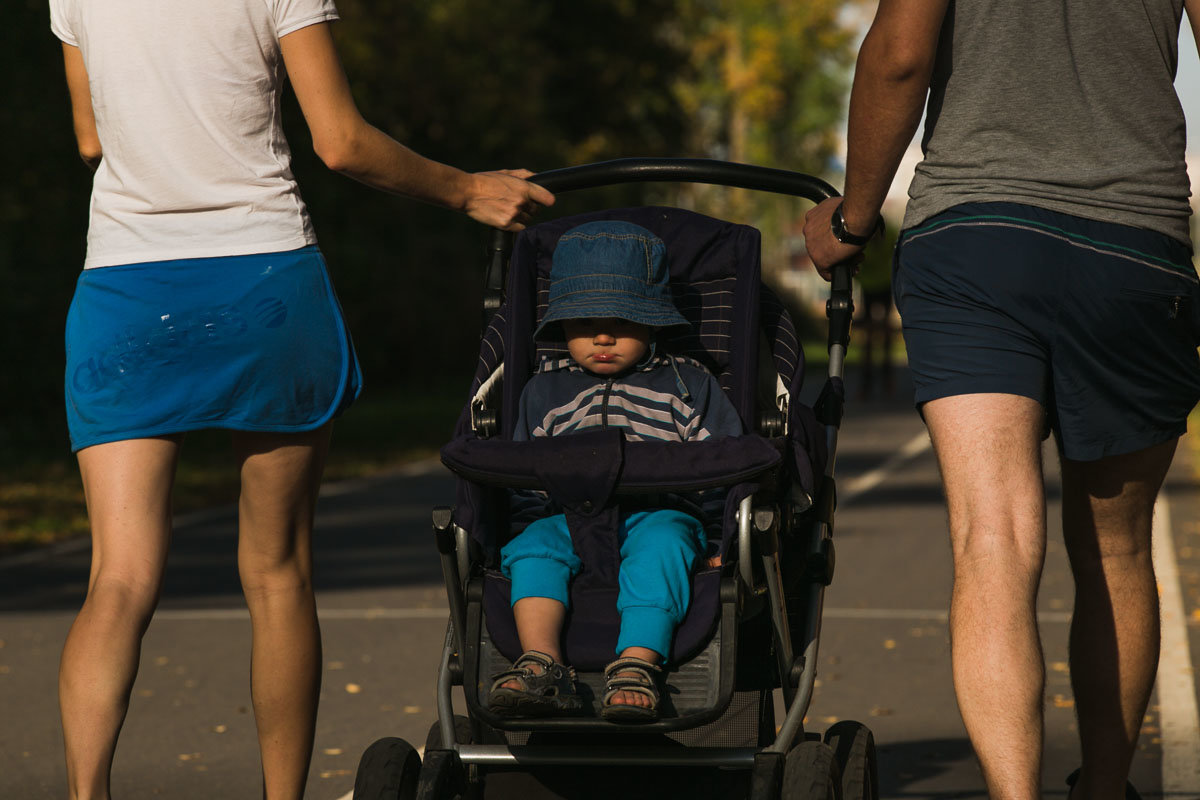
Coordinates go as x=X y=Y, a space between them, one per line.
x=837 y=224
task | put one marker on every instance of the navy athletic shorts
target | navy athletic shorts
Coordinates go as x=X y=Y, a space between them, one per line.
x=1097 y=322
x=251 y=343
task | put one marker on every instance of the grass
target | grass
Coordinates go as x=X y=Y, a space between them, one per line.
x=41 y=496
x=816 y=353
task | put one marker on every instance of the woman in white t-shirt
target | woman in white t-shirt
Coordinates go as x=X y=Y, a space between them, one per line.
x=204 y=303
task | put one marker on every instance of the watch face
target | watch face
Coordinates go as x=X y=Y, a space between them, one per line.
x=838 y=225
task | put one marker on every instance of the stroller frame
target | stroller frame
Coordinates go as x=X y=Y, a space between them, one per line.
x=758 y=531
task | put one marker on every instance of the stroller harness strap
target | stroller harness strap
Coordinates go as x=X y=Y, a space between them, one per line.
x=580 y=473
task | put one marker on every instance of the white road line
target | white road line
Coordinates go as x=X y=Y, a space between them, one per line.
x=869 y=480
x=1178 y=715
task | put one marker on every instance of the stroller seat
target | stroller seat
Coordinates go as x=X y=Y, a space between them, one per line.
x=715 y=280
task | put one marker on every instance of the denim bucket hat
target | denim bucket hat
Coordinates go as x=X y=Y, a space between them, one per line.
x=609 y=269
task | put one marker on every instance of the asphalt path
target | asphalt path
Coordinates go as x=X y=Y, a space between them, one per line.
x=884 y=657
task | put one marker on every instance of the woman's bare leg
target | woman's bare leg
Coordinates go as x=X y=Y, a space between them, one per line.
x=127 y=486
x=280 y=477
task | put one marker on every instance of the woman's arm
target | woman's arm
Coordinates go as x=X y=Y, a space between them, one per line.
x=349 y=144
x=81 y=107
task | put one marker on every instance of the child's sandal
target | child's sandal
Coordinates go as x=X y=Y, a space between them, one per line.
x=630 y=675
x=549 y=693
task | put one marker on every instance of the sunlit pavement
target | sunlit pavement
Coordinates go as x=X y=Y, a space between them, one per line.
x=884 y=656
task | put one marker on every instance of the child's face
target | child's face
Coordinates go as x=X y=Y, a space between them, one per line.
x=606 y=346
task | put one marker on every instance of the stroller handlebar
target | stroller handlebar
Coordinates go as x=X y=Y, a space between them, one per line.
x=685 y=170
x=839 y=309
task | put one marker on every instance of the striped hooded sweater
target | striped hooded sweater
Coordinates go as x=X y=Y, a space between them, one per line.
x=664 y=398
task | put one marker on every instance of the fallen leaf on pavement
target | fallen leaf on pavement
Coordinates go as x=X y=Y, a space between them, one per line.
x=353 y=688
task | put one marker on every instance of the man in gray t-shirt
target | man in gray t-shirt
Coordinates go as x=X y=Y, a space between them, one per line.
x=1044 y=279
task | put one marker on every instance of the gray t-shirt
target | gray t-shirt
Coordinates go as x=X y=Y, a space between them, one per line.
x=1067 y=105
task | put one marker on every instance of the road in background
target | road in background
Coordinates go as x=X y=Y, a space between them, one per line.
x=884 y=655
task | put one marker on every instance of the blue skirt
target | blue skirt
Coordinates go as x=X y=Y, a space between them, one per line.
x=250 y=343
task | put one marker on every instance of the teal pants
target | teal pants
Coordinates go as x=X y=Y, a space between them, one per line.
x=659 y=550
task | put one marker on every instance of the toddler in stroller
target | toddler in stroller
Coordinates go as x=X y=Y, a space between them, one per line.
x=609 y=298
x=752 y=608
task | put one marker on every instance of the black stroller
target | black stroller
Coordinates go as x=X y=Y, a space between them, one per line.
x=754 y=621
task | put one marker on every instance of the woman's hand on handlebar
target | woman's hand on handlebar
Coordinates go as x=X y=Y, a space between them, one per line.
x=505 y=200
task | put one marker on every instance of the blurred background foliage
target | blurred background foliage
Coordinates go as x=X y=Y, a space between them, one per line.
x=475 y=83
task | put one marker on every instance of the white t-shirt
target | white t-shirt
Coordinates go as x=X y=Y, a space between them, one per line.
x=186 y=98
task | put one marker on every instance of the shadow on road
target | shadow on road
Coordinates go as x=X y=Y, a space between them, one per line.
x=376 y=537
x=905 y=765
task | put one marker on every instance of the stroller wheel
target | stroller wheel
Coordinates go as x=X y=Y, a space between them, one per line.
x=388 y=770
x=463 y=734
x=442 y=777
x=810 y=772
x=853 y=746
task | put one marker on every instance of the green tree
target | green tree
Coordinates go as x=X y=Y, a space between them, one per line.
x=480 y=85
x=43 y=210
x=766 y=84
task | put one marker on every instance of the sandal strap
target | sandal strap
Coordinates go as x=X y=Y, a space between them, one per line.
x=543 y=660
x=611 y=690
x=641 y=680
x=632 y=664
x=523 y=673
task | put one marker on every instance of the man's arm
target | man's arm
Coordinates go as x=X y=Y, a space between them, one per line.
x=891 y=80
x=81 y=107
x=347 y=143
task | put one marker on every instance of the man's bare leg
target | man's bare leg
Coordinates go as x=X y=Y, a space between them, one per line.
x=989 y=450
x=280 y=477
x=127 y=486
x=1107 y=508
